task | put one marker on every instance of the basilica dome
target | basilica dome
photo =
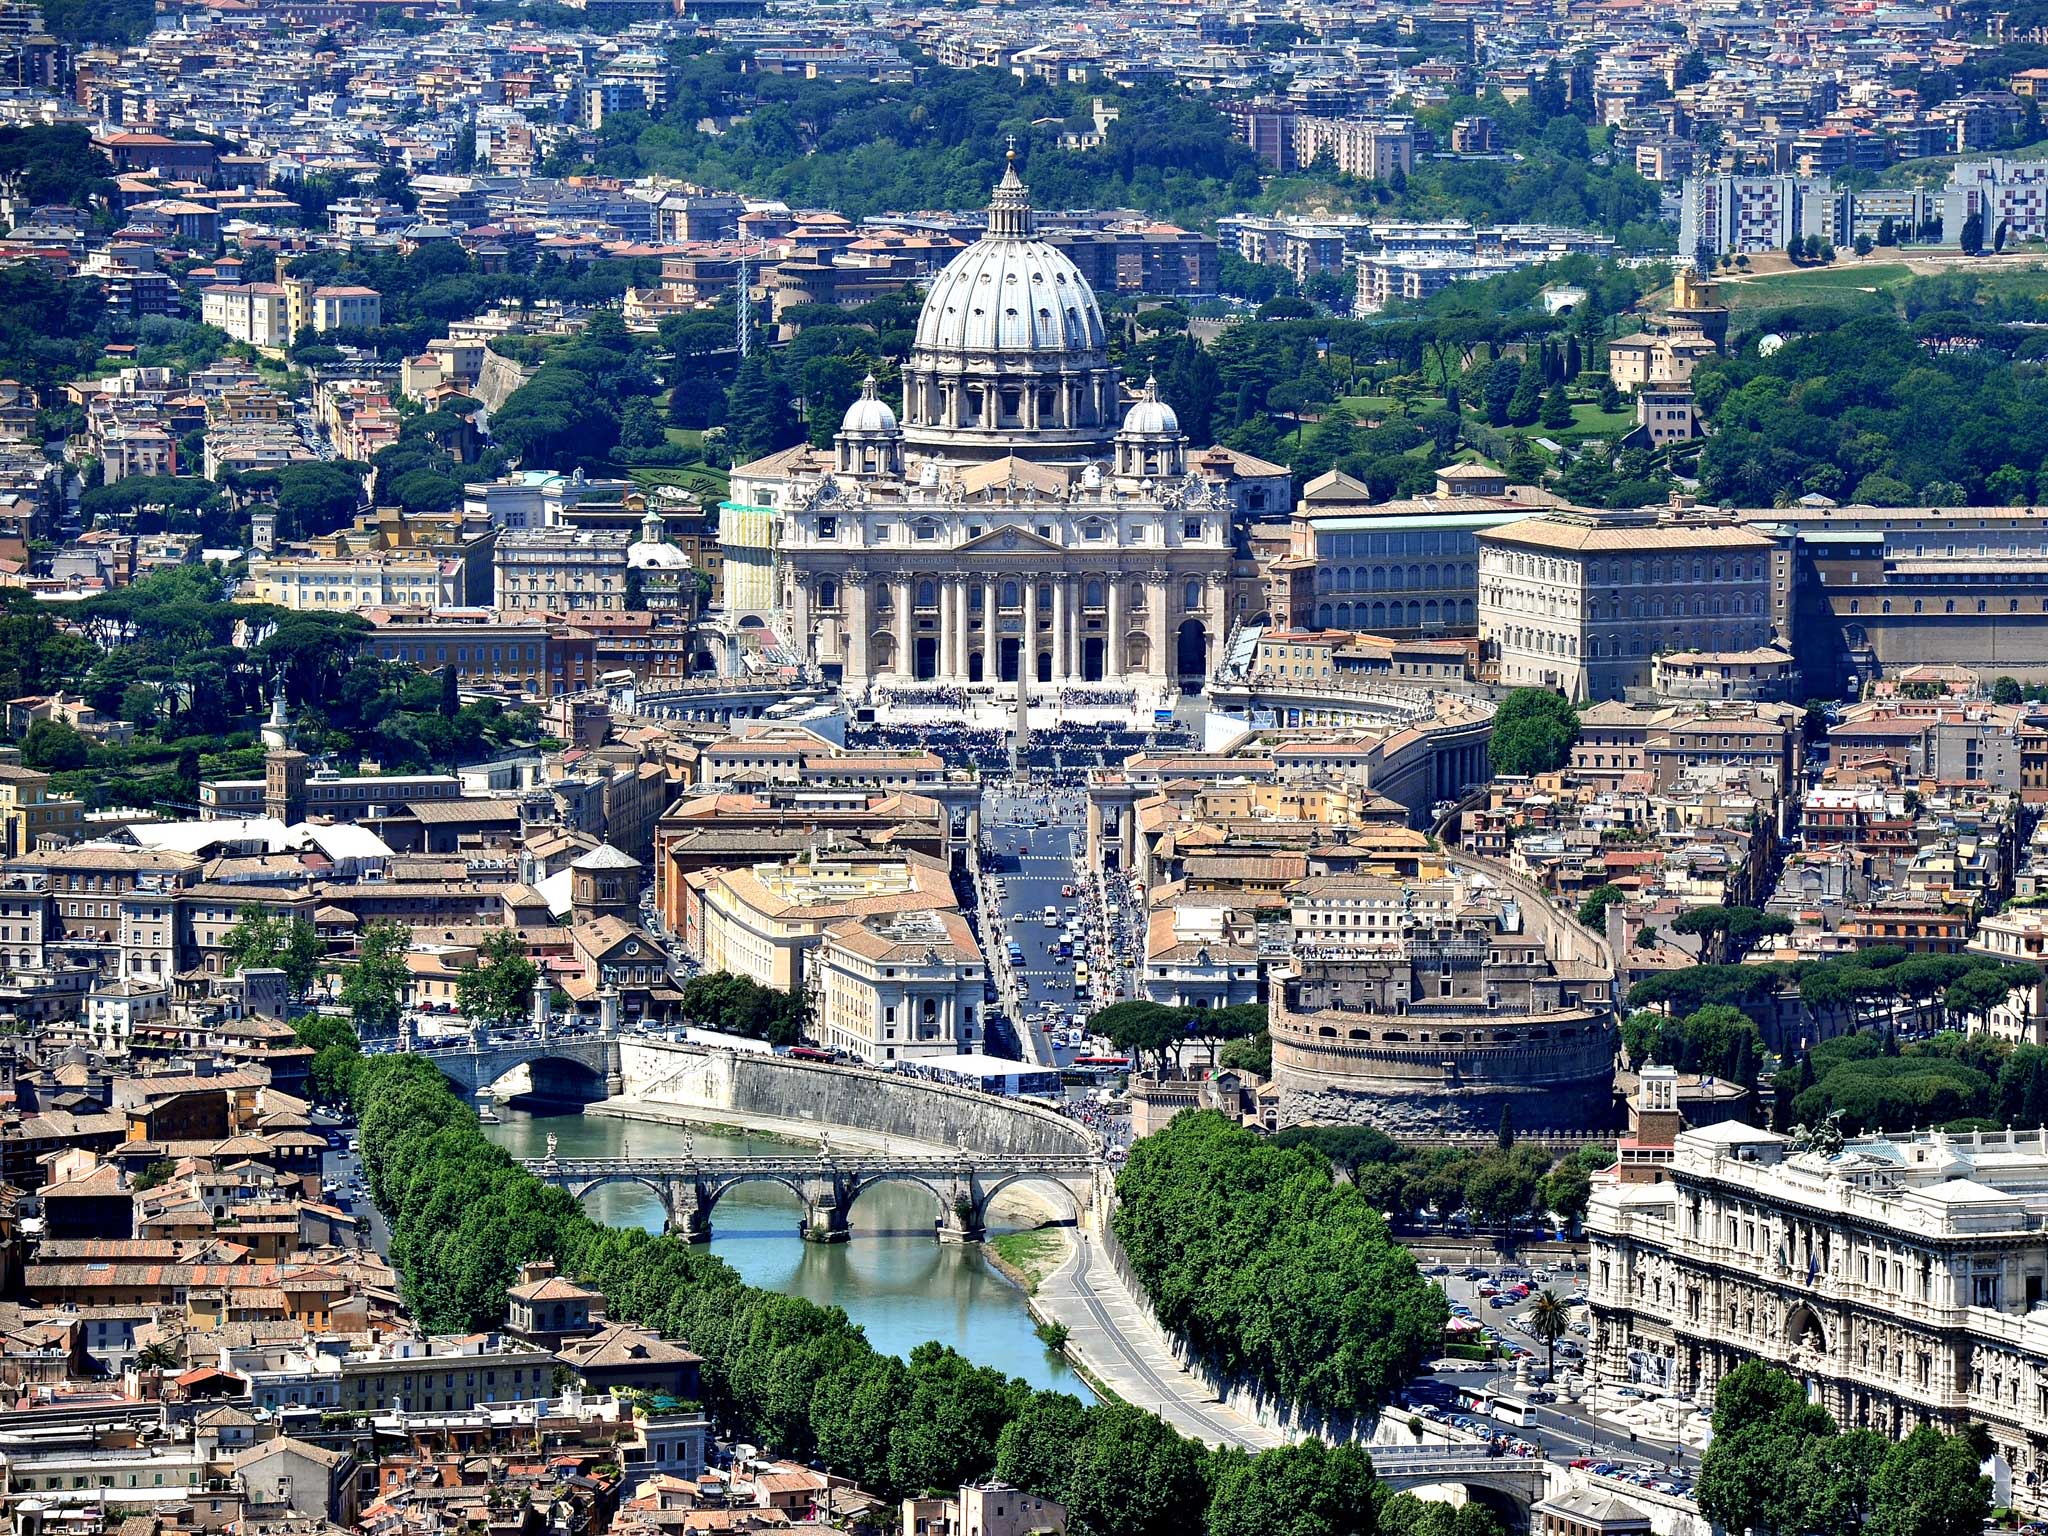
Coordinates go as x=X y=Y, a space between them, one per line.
x=1010 y=295
x=1011 y=355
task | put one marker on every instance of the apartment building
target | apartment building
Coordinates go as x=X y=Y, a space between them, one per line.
x=526 y=656
x=763 y=922
x=1376 y=150
x=1728 y=215
x=2001 y=194
x=255 y=314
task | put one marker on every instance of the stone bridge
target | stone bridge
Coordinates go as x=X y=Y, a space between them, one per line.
x=828 y=1184
x=570 y=1067
x=1509 y=1485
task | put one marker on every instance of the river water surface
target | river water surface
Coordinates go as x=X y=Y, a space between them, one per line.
x=893 y=1278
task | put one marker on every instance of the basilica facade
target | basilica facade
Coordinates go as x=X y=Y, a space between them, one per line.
x=1023 y=521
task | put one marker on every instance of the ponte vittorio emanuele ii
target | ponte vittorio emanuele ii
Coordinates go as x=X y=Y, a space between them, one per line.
x=828 y=1183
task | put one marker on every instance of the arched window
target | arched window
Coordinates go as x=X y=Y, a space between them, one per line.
x=1091 y=597
x=828 y=593
x=1191 y=596
x=1044 y=598
x=927 y=595
x=1009 y=594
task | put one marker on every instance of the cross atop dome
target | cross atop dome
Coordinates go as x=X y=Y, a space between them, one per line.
x=1009 y=210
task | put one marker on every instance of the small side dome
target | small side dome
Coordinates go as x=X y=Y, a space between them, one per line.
x=869 y=416
x=1151 y=416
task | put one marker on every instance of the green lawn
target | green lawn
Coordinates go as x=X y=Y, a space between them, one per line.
x=1843 y=280
x=711 y=485
x=1591 y=421
x=1032 y=1255
x=1371 y=407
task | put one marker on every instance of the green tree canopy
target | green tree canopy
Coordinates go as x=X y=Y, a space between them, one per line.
x=262 y=939
x=1534 y=731
x=498 y=989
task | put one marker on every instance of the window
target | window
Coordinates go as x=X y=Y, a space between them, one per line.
x=828 y=527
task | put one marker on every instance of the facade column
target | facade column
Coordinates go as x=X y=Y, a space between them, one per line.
x=1158 y=625
x=1027 y=650
x=854 y=594
x=958 y=589
x=1060 y=612
x=1113 y=622
x=942 y=663
x=1077 y=624
x=906 y=658
x=991 y=631
x=800 y=615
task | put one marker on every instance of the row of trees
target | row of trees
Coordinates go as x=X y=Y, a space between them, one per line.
x=1778 y=1465
x=741 y=1006
x=783 y=1371
x=1499 y=1186
x=1961 y=1081
x=1840 y=991
x=1272 y=1272
x=1144 y=1029
x=1717 y=1040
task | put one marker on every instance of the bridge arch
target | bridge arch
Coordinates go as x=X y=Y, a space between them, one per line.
x=938 y=1187
x=589 y=1187
x=716 y=1189
x=556 y=1078
x=1039 y=1180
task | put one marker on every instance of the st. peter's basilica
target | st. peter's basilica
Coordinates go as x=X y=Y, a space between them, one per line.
x=1021 y=519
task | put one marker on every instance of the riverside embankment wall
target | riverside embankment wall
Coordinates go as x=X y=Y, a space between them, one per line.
x=759 y=1088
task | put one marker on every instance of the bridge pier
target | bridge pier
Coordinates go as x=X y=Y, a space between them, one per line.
x=964 y=1214
x=825 y=1221
x=828 y=1197
x=687 y=1211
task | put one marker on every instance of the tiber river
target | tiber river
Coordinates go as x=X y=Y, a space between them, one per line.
x=893 y=1278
